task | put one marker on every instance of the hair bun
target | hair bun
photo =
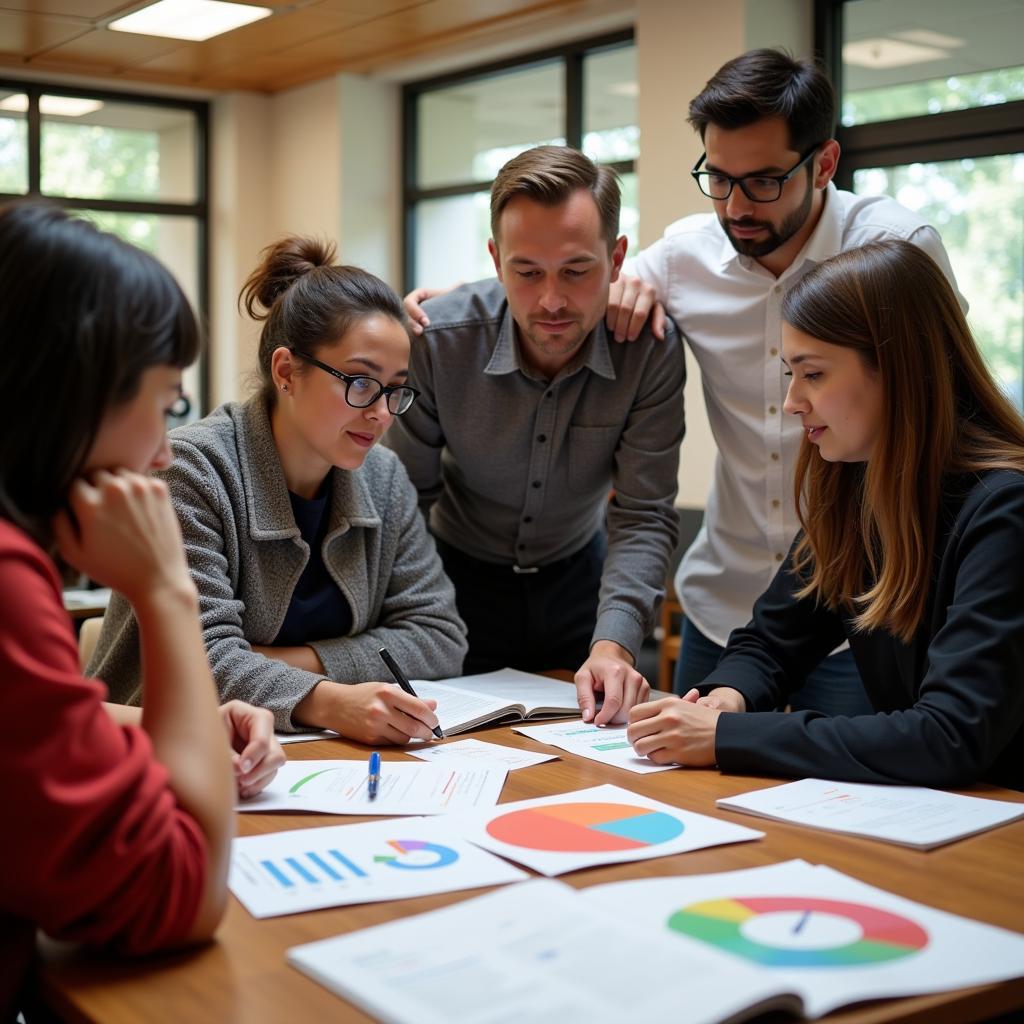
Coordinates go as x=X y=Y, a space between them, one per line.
x=280 y=266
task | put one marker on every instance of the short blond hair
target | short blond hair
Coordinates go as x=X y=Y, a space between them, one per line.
x=550 y=175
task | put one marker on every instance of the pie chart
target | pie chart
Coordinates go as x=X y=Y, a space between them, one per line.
x=801 y=931
x=585 y=828
x=417 y=855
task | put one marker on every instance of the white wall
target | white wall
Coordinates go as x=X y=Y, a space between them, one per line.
x=240 y=197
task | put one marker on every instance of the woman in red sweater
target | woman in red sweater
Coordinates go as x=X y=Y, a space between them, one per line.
x=120 y=820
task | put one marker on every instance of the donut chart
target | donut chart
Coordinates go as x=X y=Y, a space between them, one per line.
x=585 y=828
x=800 y=931
x=417 y=855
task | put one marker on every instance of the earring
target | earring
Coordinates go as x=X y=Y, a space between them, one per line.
x=284 y=387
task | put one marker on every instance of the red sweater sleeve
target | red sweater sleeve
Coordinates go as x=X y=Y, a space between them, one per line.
x=100 y=852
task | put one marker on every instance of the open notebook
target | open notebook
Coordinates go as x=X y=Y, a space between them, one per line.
x=507 y=695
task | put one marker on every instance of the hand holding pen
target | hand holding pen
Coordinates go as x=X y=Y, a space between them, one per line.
x=403 y=682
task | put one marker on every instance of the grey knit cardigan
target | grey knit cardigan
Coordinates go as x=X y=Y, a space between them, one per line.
x=245 y=555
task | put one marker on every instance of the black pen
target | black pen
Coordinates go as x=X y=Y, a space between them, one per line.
x=403 y=682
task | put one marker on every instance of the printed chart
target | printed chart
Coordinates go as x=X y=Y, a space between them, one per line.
x=602 y=825
x=340 y=787
x=305 y=869
x=416 y=855
x=801 y=931
x=588 y=827
x=607 y=744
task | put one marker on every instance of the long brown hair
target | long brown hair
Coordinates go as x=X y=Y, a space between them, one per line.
x=870 y=528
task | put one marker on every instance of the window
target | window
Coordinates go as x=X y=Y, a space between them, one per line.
x=932 y=113
x=460 y=129
x=134 y=165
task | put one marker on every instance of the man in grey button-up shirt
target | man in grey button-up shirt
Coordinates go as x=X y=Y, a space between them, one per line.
x=533 y=432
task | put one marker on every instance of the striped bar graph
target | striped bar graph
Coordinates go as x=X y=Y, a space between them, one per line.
x=312 y=868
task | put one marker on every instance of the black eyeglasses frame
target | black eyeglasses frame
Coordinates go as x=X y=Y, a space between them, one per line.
x=779 y=179
x=350 y=379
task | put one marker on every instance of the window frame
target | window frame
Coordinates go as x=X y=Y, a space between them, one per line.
x=571 y=54
x=925 y=138
x=198 y=210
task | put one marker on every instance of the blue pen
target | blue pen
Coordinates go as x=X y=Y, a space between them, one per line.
x=373 y=779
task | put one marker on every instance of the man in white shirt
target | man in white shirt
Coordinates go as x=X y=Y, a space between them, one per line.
x=766 y=121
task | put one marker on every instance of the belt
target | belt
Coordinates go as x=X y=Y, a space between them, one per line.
x=449 y=551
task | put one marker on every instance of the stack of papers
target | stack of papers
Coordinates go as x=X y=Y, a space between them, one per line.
x=704 y=948
x=907 y=815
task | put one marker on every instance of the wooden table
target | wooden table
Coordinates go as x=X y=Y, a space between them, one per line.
x=243 y=978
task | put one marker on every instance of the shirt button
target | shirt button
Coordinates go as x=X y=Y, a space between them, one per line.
x=778 y=555
x=520 y=547
x=536 y=483
x=527 y=519
x=549 y=394
x=776 y=503
x=775 y=458
x=772 y=409
x=773 y=350
x=542 y=438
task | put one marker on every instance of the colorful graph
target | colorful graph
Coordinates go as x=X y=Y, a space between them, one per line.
x=800 y=931
x=585 y=827
x=312 y=868
x=417 y=855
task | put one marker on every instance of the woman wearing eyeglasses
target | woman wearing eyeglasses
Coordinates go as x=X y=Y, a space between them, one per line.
x=302 y=533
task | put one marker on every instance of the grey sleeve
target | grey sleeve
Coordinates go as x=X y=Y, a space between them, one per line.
x=642 y=523
x=416 y=620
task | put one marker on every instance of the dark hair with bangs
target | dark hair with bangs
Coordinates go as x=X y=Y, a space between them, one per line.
x=82 y=316
x=769 y=83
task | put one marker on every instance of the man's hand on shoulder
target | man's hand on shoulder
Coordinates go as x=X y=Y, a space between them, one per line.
x=414 y=308
x=630 y=303
x=609 y=670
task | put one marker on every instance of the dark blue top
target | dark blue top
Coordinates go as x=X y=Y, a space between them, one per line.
x=318 y=610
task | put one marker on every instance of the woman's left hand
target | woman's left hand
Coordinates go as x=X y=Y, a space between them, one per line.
x=257 y=754
x=674 y=731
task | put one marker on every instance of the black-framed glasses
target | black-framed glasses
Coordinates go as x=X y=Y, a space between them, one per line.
x=361 y=392
x=758 y=188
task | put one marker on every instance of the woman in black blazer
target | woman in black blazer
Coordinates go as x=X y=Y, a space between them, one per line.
x=910 y=490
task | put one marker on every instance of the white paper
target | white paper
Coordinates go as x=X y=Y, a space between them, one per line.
x=606 y=743
x=909 y=815
x=85 y=598
x=306 y=869
x=830 y=938
x=479 y=752
x=305 y=737
x=340 y=787
x=601 y=825
x=530 y=952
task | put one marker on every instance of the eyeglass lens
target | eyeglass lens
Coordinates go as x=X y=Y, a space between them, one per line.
x=364 y=391
x=760 y=190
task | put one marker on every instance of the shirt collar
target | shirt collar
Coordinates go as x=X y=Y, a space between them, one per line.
x=268 y=505
x=594 y=354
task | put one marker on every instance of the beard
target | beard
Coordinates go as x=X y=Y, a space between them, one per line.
x=777 y=236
